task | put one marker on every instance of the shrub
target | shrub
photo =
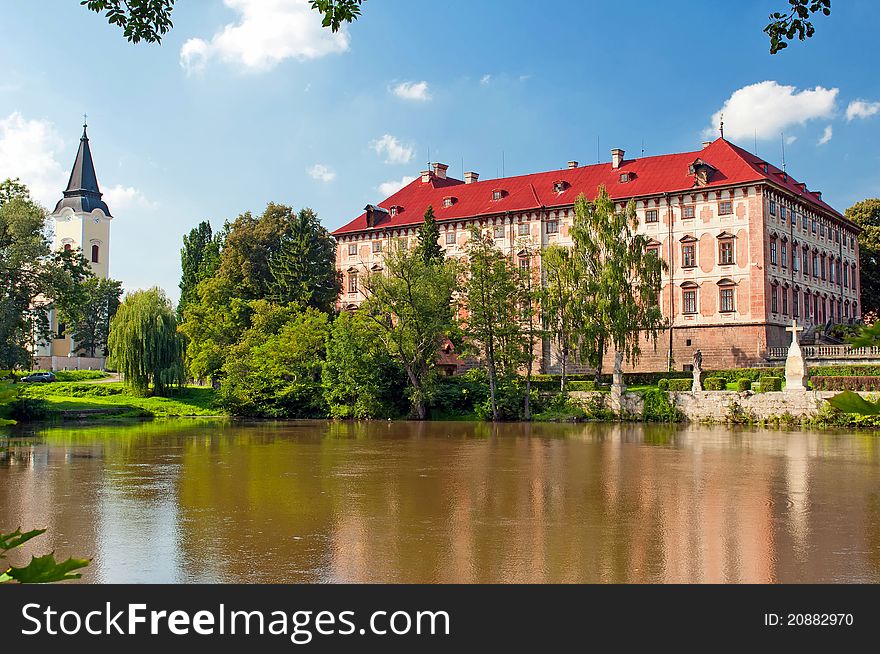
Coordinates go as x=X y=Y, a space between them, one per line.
x=658 y=408
x=29 y=409
x=771 y=384
x=716 y=384
x=663 y=384
x=79 y=375
x=866 y=383
x=680 y=385
x=583 y=386
x=461 y=394
x=743 y=384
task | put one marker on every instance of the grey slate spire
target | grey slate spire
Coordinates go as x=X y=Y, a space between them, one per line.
x=83 y=194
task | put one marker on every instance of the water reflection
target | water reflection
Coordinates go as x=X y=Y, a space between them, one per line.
x=197 y=501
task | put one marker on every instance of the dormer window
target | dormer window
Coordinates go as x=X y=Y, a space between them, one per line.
x=498 y=193
x=701 y=172
x=559 y=186
x=394 y=210
x=448 y=201
x=625 y=177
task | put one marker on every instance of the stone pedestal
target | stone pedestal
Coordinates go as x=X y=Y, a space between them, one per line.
x=795 y=366
x=617 y=386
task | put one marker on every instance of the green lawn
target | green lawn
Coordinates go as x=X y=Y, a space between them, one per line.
x=112 y=398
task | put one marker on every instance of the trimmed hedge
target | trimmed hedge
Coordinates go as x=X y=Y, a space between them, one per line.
x=743 y=384
x=678 y=385
x=771 y=384
x=716 y=384
x=583 y=386
x=843 y=383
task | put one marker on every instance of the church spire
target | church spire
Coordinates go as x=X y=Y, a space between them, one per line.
x=82 y=193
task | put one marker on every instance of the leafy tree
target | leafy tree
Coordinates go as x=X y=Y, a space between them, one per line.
x=528 y=299
x=784 y=26
x=275 y=369
x=199 y=259
x=619 y=289
x=337 y=12
x=866 y=214
x=492 y=324
x=35 y=278
x=89 y=317
x=360 y=378
x=282 y=255
x=303 y=269
x=410 y=303
x=140 y=20
x=429 y=239
x=560 y=301
x=144 y=344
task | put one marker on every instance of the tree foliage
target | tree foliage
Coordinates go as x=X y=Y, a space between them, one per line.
x=560 y=302
x=199 y=259
x=429 y=239
x=492 y=323
x=88 y=319
x=360 y=378
x=866 y=214
x=410 y=304
x=36 y=279
x=140 y=20
x=274 y=371
x=784 y=26
x=42 y=569
x=336 y=12
x=144 y=344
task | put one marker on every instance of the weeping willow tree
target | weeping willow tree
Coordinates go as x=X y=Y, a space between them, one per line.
x=144 y=343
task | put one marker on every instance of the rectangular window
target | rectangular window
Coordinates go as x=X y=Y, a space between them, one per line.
x=804 y=221
x=498 y=231
x=793 y=219
x=654 y=250
x=651 y=215
x=784 y=254
x=725 y=251
x=552 y=227
x=772 y=208
x=822 y=268
x=524 y=263
x=688 y=255
x=795 y=259
x=822 y=230
x=726 y=300
x=813 y=226
x=782 y=213
x=774 y=300
x=688 y=211
x=523 y=229
x=450 y=238
x=352 y=282
x=690 y=301
x=773 y=252
x=377 y=246
x=725 y=208
x=805 y=259
x=815 y=265
x=795 y=304
x=784 y=301
x=403 y=244
x=352 y=249
x=846 y=276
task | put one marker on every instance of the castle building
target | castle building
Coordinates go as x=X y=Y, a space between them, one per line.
x=748 y=247
x=81 y=220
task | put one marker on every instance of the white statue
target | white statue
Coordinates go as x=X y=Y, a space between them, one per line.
x=795 y=367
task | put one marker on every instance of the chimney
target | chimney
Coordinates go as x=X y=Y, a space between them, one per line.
x=706 y=144
x=572 y=165
x=818 y=194
x=440 y=170
x=616 y=158
x=426 y=176
x=471 y=177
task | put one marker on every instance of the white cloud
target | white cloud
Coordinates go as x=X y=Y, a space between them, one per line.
x=395 y=152
x=861 y=109
x=122 y=198
x=390 y=188
x=485 y=79
x=322 y=173
x=767 y=108
x=790 y=139
x=29 y=150
x=266 y=33
x=826 y=135
x=416 y=91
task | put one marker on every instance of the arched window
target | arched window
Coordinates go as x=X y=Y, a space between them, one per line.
x=95 y=252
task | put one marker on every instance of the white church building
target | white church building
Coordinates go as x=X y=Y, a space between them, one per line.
x=81 y=219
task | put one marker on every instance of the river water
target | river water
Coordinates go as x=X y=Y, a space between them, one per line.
x=293 y=502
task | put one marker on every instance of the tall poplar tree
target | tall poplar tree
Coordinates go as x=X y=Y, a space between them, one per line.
x=429 y=239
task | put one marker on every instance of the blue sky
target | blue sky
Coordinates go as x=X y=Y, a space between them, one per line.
x=250 y=101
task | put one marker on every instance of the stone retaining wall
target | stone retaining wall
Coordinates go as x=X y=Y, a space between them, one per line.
x=717 y=406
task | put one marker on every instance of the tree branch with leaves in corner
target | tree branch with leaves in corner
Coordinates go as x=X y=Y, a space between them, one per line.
x=783 y=27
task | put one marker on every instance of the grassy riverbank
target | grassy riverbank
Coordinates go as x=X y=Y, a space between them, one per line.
x=61 y=400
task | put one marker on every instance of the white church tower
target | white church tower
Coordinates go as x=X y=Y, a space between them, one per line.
x=81 y=220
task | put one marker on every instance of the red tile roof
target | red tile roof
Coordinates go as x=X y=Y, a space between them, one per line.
x=667 y=173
